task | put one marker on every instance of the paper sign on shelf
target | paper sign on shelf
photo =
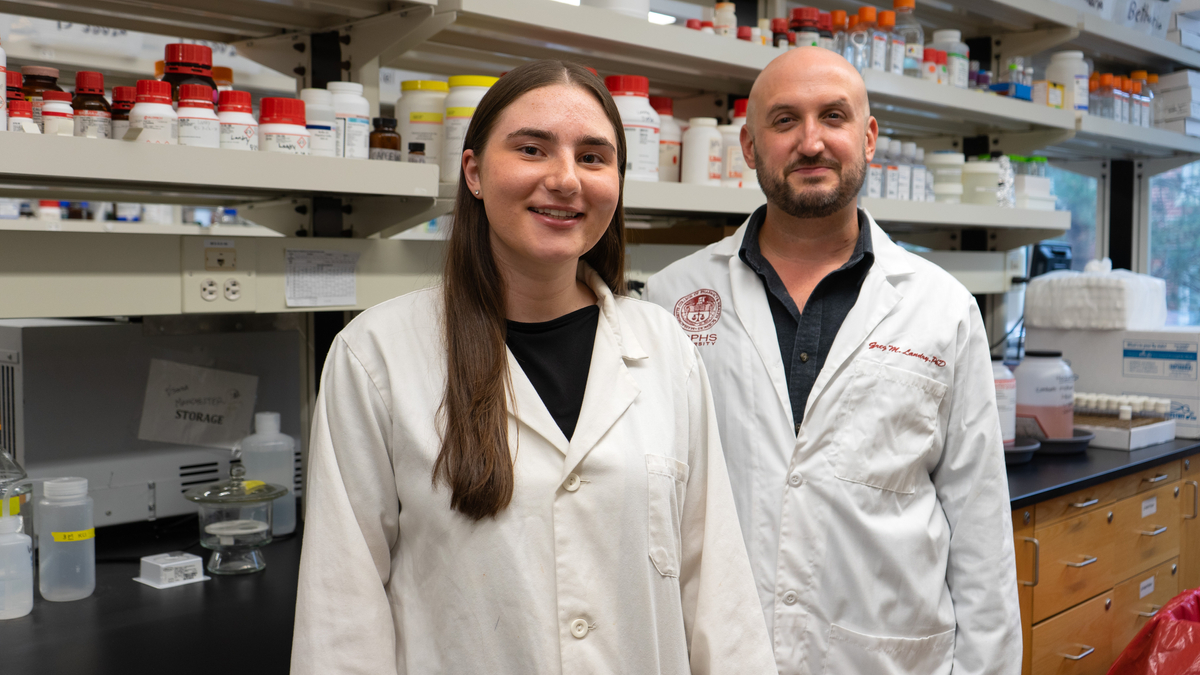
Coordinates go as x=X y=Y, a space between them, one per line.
x=191 y=405
x=321 y=278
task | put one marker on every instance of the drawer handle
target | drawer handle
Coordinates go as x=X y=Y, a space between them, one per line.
x=1195 y=499
x=1084 y=505
x=1084 y=563
x=1158 y=478
x=1152 y=613
x=1086 y=650
x=1155 y=532
x=1037 y=563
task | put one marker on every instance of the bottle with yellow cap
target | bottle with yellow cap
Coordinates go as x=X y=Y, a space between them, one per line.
x=420 y=114
x=465 y=94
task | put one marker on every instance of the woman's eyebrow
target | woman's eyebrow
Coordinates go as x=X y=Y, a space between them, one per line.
x=551 y=137
x=596 y=141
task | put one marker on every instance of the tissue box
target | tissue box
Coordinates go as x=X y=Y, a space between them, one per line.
x=1189 y=126
x=1146 y=363
x=1116 y=300
x=167 y=570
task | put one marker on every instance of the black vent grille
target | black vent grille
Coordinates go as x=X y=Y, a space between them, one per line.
x=8 y=409
x=199 y=474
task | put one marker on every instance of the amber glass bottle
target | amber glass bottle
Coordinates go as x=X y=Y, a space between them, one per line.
x=385 y=142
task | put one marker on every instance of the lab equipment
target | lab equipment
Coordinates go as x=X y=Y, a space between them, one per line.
x=168 y=570
x=235 y=521
x=16 y=567
x=269 y=455
x=66 y=540
x=1045 y=396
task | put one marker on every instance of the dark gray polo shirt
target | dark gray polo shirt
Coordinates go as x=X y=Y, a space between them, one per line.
x=805 y=338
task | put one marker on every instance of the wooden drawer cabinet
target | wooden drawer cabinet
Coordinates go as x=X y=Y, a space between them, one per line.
x=1076 y=642
x=1146 y=527
x=1099 y=496
x=1189 y=545
x=1136 y=600
x=1076 y=561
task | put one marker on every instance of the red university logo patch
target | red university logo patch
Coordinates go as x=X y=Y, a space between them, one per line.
x=698 y=311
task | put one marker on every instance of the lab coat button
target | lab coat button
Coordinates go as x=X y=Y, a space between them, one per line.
x=795 y=479
x=572 y=483
x=579 y=628
x=790 y=598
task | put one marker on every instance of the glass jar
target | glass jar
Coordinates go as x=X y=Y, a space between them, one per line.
x=235 y=520
x=38 y=79
x=384 y=141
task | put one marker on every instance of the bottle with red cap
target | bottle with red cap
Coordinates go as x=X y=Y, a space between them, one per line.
x=20 y=115
x=3 y=99
x=825 y=28
x=670 y=139
x=779 y=33
x=13 y=90
x=37 y=80
x=631 y=93
x=93 y=114
x=188 y=64
x=694 y=24
x=749 y=176
x=58 y=117
x=929 y=64
x=745 y=33
x=281 y=126
x=123 y=98
x=198 y=123
x=804 y=23
x=153 y=114
x=239 y=130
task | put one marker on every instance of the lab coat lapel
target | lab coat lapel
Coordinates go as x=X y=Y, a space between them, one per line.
x=527 y=407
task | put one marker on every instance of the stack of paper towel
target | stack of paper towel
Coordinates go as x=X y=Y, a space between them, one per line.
x=1101 y=300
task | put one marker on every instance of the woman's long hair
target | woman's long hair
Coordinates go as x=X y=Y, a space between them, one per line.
x=475 y=461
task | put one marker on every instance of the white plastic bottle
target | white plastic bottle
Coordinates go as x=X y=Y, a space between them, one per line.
x=875 y=184
x=1071 y=71
x=749 y=176
x=21 y=112
x=58 y=117
x=725 y=19
x=353 y=114
x=320 y=121
x=919 y=175
x=891 y=171
x=958 y=56
x=66 y=540
x=670 y=139
x=908 y=154
x=733 y=165
x=701 y=152
x=239 y=129
x=198 y=123
x=909 y=30
x=1045 y=396
x=1006 y=401
x=631 y=93
x=270 y=456
x=281 y=126
x=465 y=93
x=16 y=568
x=153 y=114
x=420 y=115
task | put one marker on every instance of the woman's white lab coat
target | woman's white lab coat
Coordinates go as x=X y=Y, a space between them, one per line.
x=620 y=551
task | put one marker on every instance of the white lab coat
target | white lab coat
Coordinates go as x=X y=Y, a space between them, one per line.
x=880 y=534
x=619 y=553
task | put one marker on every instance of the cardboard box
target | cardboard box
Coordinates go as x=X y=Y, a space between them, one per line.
x=1116 y=438
x=1189 y=126
x=1184 y=38
x=1169 y=112
x=1184 y=23
x=1174 y=102
x=1162 y=364
x=1178 y=80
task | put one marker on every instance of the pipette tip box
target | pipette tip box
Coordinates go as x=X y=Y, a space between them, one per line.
x=168 y=570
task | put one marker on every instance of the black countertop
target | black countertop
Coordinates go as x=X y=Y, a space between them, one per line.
x=229 y=624
x=1049 y=476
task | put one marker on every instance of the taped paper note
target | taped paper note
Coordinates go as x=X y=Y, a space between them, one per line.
x=321 y=278
x=191 y=405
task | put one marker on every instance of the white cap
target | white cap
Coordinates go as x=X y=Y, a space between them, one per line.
x=1137 y=404
x=910 y=149
x=947 y=35
x=1078 y=399
x=65 y=488
x=345 y=88
x=266 y=423
x=727 y=128
x=10 y=525
x=703 y=122
x=882 y=143
x=1125 y=413
x=317 y=97
x=920 y=154
x=1162 y=406
x=1068 y=55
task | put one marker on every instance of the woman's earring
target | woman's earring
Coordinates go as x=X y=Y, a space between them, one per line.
x=477 y=193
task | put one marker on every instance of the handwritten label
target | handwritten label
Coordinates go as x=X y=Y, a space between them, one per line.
x=1145 y=588
x=190 y=405
x=1149 y=507
x=893 y=349
x=79 y=535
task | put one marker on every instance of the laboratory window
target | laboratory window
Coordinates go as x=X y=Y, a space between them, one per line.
x=1175 y=240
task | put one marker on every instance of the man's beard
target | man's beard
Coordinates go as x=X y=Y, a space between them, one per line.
x=811 y=203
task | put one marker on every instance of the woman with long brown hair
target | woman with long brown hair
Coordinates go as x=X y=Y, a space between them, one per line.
x=519 y=471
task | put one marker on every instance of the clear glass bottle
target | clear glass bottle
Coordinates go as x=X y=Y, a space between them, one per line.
x=909 y=29
x=66 y=541
x=1120 y=100
x=1143 y=78
x=860 y=39
x=840 y=26
x=895 y=43
x=1105 y=99
x=881 y=39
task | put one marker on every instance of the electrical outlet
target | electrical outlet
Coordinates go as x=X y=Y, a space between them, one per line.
x=219 y=275
x=208 y=290
x=233 y=290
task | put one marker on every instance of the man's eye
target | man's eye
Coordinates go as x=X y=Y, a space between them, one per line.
x=784 y=120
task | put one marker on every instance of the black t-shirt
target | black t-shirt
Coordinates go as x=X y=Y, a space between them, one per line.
x=556 y=356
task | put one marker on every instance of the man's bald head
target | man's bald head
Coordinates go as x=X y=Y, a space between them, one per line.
x=798 y=69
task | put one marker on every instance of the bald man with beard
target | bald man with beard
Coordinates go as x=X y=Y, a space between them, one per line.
x=857 y=410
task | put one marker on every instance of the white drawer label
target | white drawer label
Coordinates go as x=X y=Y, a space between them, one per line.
x=1145 y=588
x=1149 y=507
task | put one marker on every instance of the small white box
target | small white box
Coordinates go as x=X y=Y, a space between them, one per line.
x=1033 y=186
x=1116 y=438
x=1169 y=112
x=1184 y=23
x=1189 y=126
x=167 y=570
x=1161 y=364
x=1035 y=203
x=1184 y=39
x=1178 y=80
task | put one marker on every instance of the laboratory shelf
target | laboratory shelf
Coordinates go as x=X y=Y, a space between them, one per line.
x=939 y=225
x=686 y=199
x=1099 y=137
x=123 y=227
x=1112 y=41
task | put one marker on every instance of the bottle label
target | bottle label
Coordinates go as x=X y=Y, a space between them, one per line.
x=897 y=60
x=353 y=136
x=199 y=132
x=322 y=140
x=36 y=103
x=893 y=182
x=78 y=535
x=239 y=136
x=57 y=123
x=425 y=117
x=904 y=184
x=1081 y=92
x=641 y=150
x=879 y=51
x=93 y=123
x=714 y=159
x=428 y=133
x=735 y=163
x=929 y=71
x=875 y=180
x=292 y=144
x=385 y=154
x=827 y=43
x=1006 y=402
x=918 y=184
x=807 y=39
x=3 y=99
x=668 y=160
x=456 y=131
x=119 y=127
x=157 y=129
x=914 y=51
x=959 y=68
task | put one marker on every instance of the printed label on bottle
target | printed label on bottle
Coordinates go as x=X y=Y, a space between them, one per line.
x=119 y=127
x=292 y=144
x=456 y=131
x=914 y=51
x=875 y=180
x=1045 y=421
x=918 y=184
x=199 y=132
x=322 y=139
x=93 y=123
x=1006 y=403
x=735 y=163
x=668 y=161
x=929 y=71
x=879 y=51
x=827 y=43
x=807 y=39
x=353 y=136
x=428 y=134
x=239 y=136
x=904 y=183
x=1081 y=92
x=641 y=151
x=78 y=535
x=714 y=159
x=425 y=117
x=959 y=70
x=36 y=103
x=893 y=182
x=57 y=124
x=897 y=60
x=156 y=129
x=384 y=154
x=3 y=99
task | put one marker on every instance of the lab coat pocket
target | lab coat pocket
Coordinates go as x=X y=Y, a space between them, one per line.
x=851 y=653
x=888 y=421
x=665 y=481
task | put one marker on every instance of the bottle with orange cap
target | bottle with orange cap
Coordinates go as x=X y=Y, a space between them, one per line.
x=1143 y=78
x=895 y=43
x=1106 y=102
x=909 y=29
x=1120 y=100
x=880 y=40
x=839 y=25
x=859 y=40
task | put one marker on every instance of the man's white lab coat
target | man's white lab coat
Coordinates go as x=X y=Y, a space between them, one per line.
x=879 y=534
x=620 y=551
